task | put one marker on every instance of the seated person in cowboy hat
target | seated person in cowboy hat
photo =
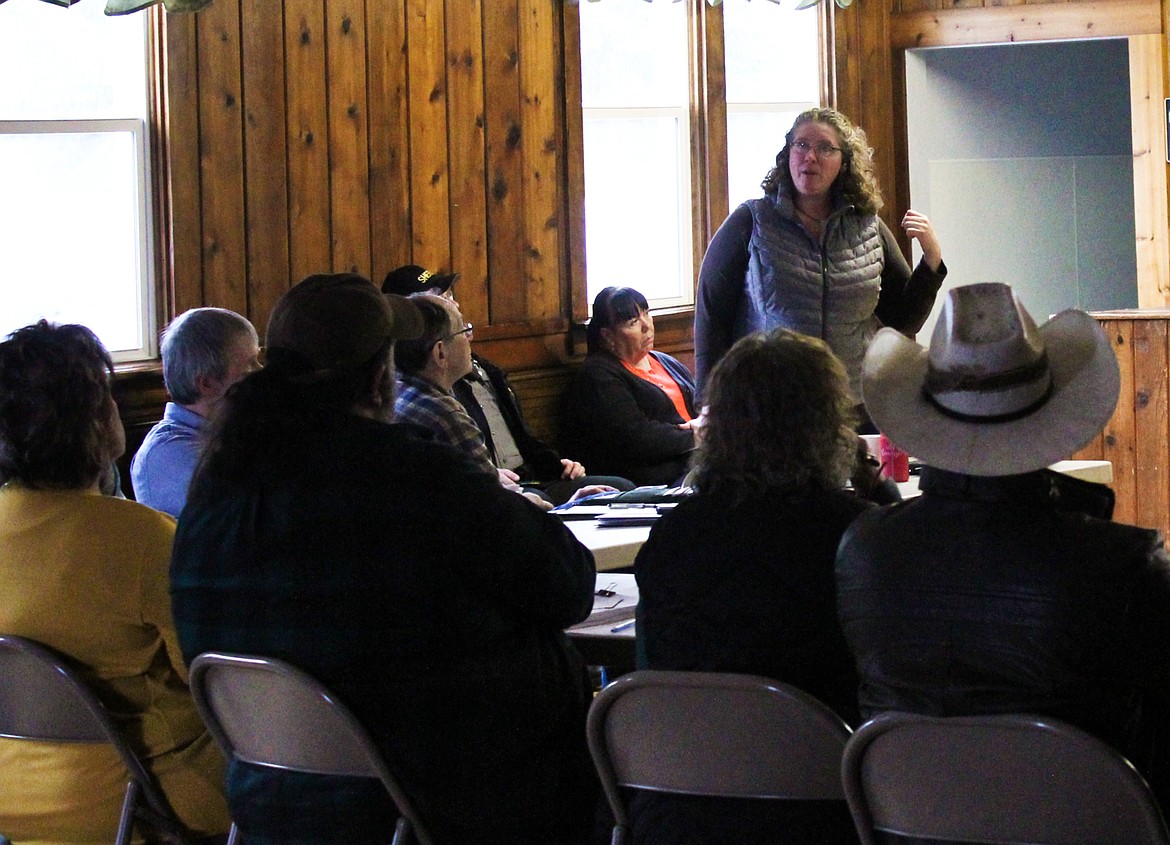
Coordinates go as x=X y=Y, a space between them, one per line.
x=992 y=592
x=489 y=400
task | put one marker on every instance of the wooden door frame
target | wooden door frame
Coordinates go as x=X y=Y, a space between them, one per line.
x=866 y=76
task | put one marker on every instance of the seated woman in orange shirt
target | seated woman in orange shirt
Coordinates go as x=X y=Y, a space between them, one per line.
x=87 y=575
x=629 y=410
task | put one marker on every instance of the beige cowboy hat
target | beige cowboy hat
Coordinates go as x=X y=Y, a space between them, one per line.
x=994 y=394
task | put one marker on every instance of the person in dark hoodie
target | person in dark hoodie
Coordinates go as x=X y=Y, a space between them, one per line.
x=431 y=600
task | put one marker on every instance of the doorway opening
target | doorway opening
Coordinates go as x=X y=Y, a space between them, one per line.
x=1023 y=157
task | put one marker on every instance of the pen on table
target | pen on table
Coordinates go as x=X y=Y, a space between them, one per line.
x=622 y=627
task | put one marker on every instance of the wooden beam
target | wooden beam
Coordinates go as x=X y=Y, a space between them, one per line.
x=1032 y=22
x=574 y=165
x=430 y=199
x=221 y=159
x=266 y=191
x=349 y=160
x=182 y=179
x=310 y=209
x=466 y=150
x=1151 y=218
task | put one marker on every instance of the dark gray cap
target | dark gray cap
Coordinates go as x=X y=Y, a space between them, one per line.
x=338 y=321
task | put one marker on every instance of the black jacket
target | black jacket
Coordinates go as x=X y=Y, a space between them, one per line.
x=747 y=586
x=987 y=596
x=429 y=598
x=618 y=424
x=541 y=462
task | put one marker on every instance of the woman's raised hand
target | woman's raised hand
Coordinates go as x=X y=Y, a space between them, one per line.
x=917 y=226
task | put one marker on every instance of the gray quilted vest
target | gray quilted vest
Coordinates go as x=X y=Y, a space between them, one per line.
x=828 y=290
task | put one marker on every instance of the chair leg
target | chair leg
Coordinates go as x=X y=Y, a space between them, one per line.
x=233 y=835
x=126 y=820
x=402 y=833
x=620 y=832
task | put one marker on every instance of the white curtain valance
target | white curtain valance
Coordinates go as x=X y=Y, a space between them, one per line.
x=125 y=7
x=804 y=4
x=711 y=2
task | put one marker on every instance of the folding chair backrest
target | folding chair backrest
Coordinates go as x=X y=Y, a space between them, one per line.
x=714 y=734
x=42 y=699
x=1003 y=780
x=270 y=713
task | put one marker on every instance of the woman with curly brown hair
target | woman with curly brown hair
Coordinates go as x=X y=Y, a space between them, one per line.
x=87 y=575
x=812 y=255
x=739 y=577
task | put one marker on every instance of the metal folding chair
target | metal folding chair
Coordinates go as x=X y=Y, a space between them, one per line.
x=713 y=734
x=42 y=699
x=1001 y=780
x=269 y=713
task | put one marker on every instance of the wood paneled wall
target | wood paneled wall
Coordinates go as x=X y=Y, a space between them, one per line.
x=321 y=135
x=1137 y=438
x=316 y=135
x=332 y=135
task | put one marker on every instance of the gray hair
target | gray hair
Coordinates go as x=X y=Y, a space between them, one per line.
x=412 y=355
x=196 y=344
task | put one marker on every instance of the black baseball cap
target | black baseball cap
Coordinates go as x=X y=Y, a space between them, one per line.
x=414 y=279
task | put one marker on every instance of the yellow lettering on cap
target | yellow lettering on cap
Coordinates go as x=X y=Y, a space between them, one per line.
x=426 y=274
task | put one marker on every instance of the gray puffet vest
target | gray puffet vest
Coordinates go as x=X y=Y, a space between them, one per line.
x=828 y=290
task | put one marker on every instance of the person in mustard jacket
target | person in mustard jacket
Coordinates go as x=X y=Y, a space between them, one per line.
x=87 y=575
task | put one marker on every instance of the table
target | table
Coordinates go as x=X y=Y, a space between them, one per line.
x=1099 y=472
x=599 y=643
x=614 y=548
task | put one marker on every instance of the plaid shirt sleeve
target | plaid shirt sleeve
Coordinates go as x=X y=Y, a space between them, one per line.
x=424 y=404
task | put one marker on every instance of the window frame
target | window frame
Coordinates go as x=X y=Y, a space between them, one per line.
x=148 y=141
x=708 y=139
x=684 y=176
x=139 y=131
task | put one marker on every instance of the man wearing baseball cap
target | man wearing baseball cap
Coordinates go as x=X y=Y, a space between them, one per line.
x=995 y=592
x=428 y=597
x=489 y=400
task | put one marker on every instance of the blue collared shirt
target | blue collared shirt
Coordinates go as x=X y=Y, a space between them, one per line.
x=163 y=466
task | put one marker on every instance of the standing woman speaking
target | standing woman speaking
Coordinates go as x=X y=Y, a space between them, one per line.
x=812 y=255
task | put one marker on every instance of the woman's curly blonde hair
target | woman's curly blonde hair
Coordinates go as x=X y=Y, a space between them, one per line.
x=856 y=184
x=778 y=415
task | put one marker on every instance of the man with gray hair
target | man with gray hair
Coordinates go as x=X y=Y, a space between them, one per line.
x=204 y=352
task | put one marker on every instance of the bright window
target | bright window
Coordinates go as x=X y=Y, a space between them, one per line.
x=773 y=74
x=75 y=217
x=635 y=112
x=636 y=91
